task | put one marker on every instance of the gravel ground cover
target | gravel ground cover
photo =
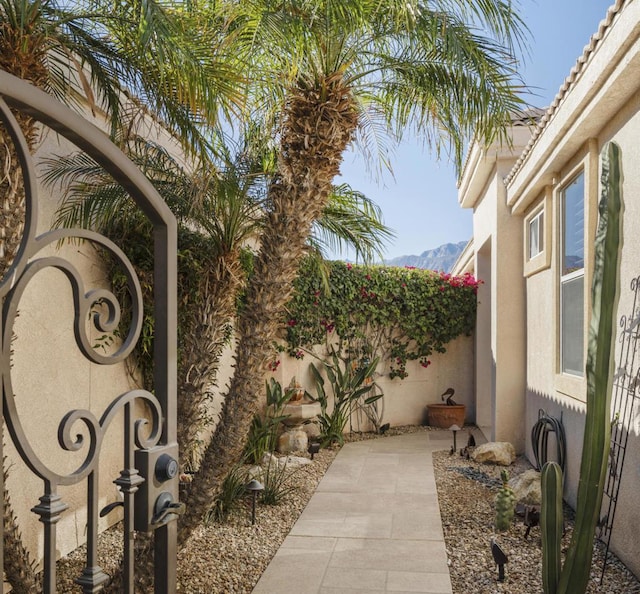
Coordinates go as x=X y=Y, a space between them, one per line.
x=229 y=558
x=466 y=495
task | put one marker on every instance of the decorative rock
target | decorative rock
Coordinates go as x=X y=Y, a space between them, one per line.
x=498 y=452
x=526 y=487
x=255 y=472
x=312 y=430
x=267 y=459
x=294 y=440
x=295 y=461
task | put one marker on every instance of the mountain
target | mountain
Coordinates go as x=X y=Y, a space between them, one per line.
x=440 y=258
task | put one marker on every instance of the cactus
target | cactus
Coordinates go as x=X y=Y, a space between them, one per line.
x=505 y=504
x=551 y=526
x=600 y=370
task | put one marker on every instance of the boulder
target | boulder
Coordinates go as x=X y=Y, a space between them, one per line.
x=269 y=460
x=526 y=487
x=295 y=461
x=294 y=440
x=312 y=430
x=498 y=452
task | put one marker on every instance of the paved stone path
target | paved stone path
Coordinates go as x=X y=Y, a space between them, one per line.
x=373 y=525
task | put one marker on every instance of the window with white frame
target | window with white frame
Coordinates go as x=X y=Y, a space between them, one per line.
x=536 y=234
x=572 y=278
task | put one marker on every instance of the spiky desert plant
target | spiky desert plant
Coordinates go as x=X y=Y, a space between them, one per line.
x=505 y=504
x=600 y=371
x=551 y=522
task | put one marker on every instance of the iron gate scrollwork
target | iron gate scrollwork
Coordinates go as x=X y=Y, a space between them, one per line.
x=148 y=481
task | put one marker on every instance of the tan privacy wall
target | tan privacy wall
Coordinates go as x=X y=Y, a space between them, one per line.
x=405 y=400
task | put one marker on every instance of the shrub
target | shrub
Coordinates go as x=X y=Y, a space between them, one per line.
x=231 y=491
x=277 y=482
x=347 y=380
x=395 y=314
x=263 y=433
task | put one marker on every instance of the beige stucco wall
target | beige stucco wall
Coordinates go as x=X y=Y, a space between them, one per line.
x=405 y=400
x=500 y=336
x=602 y=104
x=51 y=377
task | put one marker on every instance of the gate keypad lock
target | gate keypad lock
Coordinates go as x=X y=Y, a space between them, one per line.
x=156 y=501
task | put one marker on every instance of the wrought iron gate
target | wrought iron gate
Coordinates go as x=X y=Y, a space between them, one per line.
x=148 y=482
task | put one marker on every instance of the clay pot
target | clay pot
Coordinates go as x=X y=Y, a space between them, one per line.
x=445 y=415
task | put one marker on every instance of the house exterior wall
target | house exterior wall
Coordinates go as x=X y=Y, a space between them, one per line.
x=499 y=338
x=599 y=102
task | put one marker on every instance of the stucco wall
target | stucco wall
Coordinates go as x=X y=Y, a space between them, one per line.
x=51 y=377
x=405 y=400
x=500 y=341
x=544 y=388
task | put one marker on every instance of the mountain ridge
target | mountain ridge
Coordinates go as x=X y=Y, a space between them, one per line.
x=441 y=258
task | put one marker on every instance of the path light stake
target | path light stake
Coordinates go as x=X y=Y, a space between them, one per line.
x=500 y=557
x=314 y=448
x=254 y=487
x=454 y=429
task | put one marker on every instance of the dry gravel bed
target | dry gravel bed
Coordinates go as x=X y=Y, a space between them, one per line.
x=466 y=494
x=229 y=558
x=226 y=558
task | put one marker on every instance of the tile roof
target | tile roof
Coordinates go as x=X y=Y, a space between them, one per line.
x=568 y=84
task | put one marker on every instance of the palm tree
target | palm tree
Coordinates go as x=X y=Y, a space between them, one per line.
x=224 y=204
x=127 y=59
x=327 y=70
x=123 y=59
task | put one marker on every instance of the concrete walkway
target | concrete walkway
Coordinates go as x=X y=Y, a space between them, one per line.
x=373 y=524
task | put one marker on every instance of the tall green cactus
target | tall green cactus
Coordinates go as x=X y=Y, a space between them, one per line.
x=551 y=526
x=600 y=370
x=505 y=504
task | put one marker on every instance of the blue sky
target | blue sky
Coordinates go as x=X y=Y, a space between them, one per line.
x=419 y=202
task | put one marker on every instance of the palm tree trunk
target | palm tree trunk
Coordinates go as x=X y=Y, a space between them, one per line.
x=319 y=124
x=202 y=345
x=12 y=198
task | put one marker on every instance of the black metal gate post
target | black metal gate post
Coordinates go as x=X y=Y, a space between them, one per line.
x=159 y=446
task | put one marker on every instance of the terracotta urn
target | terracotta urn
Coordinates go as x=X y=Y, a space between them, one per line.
x=445 y=415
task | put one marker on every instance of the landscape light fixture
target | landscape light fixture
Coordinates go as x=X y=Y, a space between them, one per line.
x=314 y=448
x=454 y=429
x=500 y=557
x=254 y=487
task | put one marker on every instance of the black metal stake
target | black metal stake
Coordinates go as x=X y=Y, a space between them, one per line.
x=253 y=507
x=253 y=487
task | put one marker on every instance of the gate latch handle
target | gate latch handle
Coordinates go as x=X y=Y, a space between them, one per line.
x=164 y=508
x=109 y=508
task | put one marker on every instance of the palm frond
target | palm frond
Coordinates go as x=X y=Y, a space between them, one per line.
x=351 y=221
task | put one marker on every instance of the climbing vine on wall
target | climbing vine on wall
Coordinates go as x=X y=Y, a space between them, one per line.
x=397 y=314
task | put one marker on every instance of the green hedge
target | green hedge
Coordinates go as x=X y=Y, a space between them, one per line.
x=398 y=314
